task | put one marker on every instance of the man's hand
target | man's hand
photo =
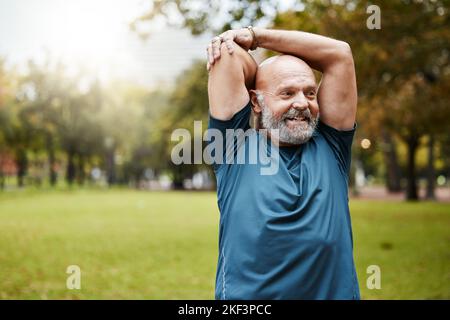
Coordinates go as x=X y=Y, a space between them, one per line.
x=243 y=37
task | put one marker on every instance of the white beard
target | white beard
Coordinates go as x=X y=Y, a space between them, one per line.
x=299 y=134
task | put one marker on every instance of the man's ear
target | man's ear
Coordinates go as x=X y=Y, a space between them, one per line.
x=256 y=107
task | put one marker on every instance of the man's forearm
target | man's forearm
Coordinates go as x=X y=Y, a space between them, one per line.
x=318 y=51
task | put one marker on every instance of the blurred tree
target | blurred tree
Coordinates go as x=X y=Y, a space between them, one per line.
x=49 y=110
x=17 y=136
x=147 y=158
x=124 y=122
x=17 y=132
x=201 y=16
x=444 y=153
x=188 y=103
x=8 y=114
x=59 y=114
x=41 y=93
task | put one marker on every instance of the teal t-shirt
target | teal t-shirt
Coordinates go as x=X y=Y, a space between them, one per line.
x=287 y=235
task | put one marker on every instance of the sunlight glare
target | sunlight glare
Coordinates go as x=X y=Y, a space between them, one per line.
x=91 y=32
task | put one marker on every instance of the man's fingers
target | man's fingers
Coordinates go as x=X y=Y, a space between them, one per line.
x=210 y=54
x=216 y=47
x=215 y=44
x=228 y=38
x=229 y=44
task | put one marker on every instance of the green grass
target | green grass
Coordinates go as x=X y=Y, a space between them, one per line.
x=156 y=245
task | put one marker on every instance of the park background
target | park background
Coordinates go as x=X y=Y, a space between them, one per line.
x=90 y=92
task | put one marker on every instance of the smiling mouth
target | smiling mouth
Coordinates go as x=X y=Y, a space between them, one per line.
x=297 y=119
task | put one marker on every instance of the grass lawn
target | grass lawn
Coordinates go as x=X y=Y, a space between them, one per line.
x=163 y=245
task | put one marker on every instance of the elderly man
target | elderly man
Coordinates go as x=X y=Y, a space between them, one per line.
x=288 y=235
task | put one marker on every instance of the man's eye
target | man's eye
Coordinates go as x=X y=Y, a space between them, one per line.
x=311 y=93
x=287 y=94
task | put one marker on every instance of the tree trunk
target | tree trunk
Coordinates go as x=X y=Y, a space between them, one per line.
x=178 y=177
x=411 y=188
x=2 y=179
x=37 y=178
x=81 y=173
x=2 y=175
x=391 y=161
x=111 y=167
x=71 y=170
x=431 y=174
x=22 y=164
x=351 y=179
x=51 y=160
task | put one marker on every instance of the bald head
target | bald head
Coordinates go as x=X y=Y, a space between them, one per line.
x=285 y=98
x=272 y=71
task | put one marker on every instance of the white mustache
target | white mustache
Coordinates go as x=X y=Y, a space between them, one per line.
x=291 y=113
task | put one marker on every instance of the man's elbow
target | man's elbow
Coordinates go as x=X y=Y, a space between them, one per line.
x=345 y=52
x=338 y=55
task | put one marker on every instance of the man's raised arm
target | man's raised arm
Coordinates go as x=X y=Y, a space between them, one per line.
x=230 y=78
x=337 y=95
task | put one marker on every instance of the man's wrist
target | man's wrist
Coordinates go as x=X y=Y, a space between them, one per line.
x=259 y=36
x=254 y=45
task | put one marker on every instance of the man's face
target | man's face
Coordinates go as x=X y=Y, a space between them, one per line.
x=288 y=100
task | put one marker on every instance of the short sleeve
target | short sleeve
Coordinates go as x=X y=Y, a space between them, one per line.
x=240 y=120
x=340 y=142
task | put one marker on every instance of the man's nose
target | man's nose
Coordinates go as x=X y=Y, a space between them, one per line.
x=300 y=102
